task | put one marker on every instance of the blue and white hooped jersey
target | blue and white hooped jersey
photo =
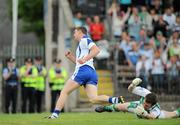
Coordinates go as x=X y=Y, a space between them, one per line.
x=82 y=50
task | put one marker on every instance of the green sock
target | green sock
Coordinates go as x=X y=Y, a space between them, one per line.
x=178 y=111
x=110 y=108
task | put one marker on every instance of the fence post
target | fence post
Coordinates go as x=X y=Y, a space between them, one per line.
x=1 y=99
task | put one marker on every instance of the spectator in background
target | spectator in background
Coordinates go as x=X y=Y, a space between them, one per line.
x=115 y=6
x=134 y=24
x=162 y=26
x=40 y=83
x=57 y=76
x=160 y=41
x=143 y=67
x=161 y=45
x=97 y=29
x=77 y=20
x=176 y=27
x=154 y=17
x=174 y=48
x=145 y=18
x=88 y=23
x=11 y=77
x=173 y=68
x=157 y=72
x=147 y=51
x=118 y=23
x=133 y=55
x=125 y=44
x=169 y=17
x=157 y=5
x=28 y=74
x=142 y=38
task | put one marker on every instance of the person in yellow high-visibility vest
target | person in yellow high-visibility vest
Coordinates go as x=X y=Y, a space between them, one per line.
x=28 y=74
x=40 y=83
x=57 y=78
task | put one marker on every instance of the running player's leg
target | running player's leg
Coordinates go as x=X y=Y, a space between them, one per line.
x=135 y=89
x=68 y=88
x=91 y=91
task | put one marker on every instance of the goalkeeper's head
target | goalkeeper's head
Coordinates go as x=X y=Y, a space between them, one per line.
x=150 y=100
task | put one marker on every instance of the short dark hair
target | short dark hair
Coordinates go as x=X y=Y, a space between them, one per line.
x=82 y=29
x=57 y=60
x=10 y=59
x=38 y=58
x=151 y=98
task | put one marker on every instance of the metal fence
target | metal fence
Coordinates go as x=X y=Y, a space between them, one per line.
x=22 y=52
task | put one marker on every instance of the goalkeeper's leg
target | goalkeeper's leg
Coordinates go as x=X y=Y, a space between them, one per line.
x=114 y=107
x=135 y=89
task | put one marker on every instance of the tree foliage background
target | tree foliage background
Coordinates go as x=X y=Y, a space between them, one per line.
x=31 y=14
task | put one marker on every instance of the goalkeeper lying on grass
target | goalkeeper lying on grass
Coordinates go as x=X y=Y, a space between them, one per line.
x=147 y=107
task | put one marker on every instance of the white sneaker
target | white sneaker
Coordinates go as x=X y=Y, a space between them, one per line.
x=53 y=116
x=136 y=81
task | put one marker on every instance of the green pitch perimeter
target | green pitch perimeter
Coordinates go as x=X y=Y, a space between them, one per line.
x=82 y=119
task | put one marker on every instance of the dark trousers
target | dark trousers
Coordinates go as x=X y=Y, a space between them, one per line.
x=28 y=94
x=54 y=95
x=10 y=97
x=39 y=97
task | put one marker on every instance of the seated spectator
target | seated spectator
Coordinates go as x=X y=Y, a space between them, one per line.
x=97 y=29
x=133 y=55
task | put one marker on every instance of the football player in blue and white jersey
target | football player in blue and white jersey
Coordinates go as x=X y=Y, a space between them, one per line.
x=84 y=74
x=147 y=107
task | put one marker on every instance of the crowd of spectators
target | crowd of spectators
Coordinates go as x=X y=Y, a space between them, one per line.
x=149 y=42
x=146 y=35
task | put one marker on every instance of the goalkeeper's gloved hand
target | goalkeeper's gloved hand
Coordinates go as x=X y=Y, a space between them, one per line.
x=139 y=110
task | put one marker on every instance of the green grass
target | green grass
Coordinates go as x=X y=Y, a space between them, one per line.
x=82 y=119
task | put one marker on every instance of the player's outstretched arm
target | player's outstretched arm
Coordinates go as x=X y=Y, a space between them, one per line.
x=70 y=56
x=139 y=110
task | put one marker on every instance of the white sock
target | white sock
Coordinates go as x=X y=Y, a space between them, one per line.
x=140 y=91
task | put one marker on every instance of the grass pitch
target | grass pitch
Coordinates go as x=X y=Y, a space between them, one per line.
x=82 y=119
